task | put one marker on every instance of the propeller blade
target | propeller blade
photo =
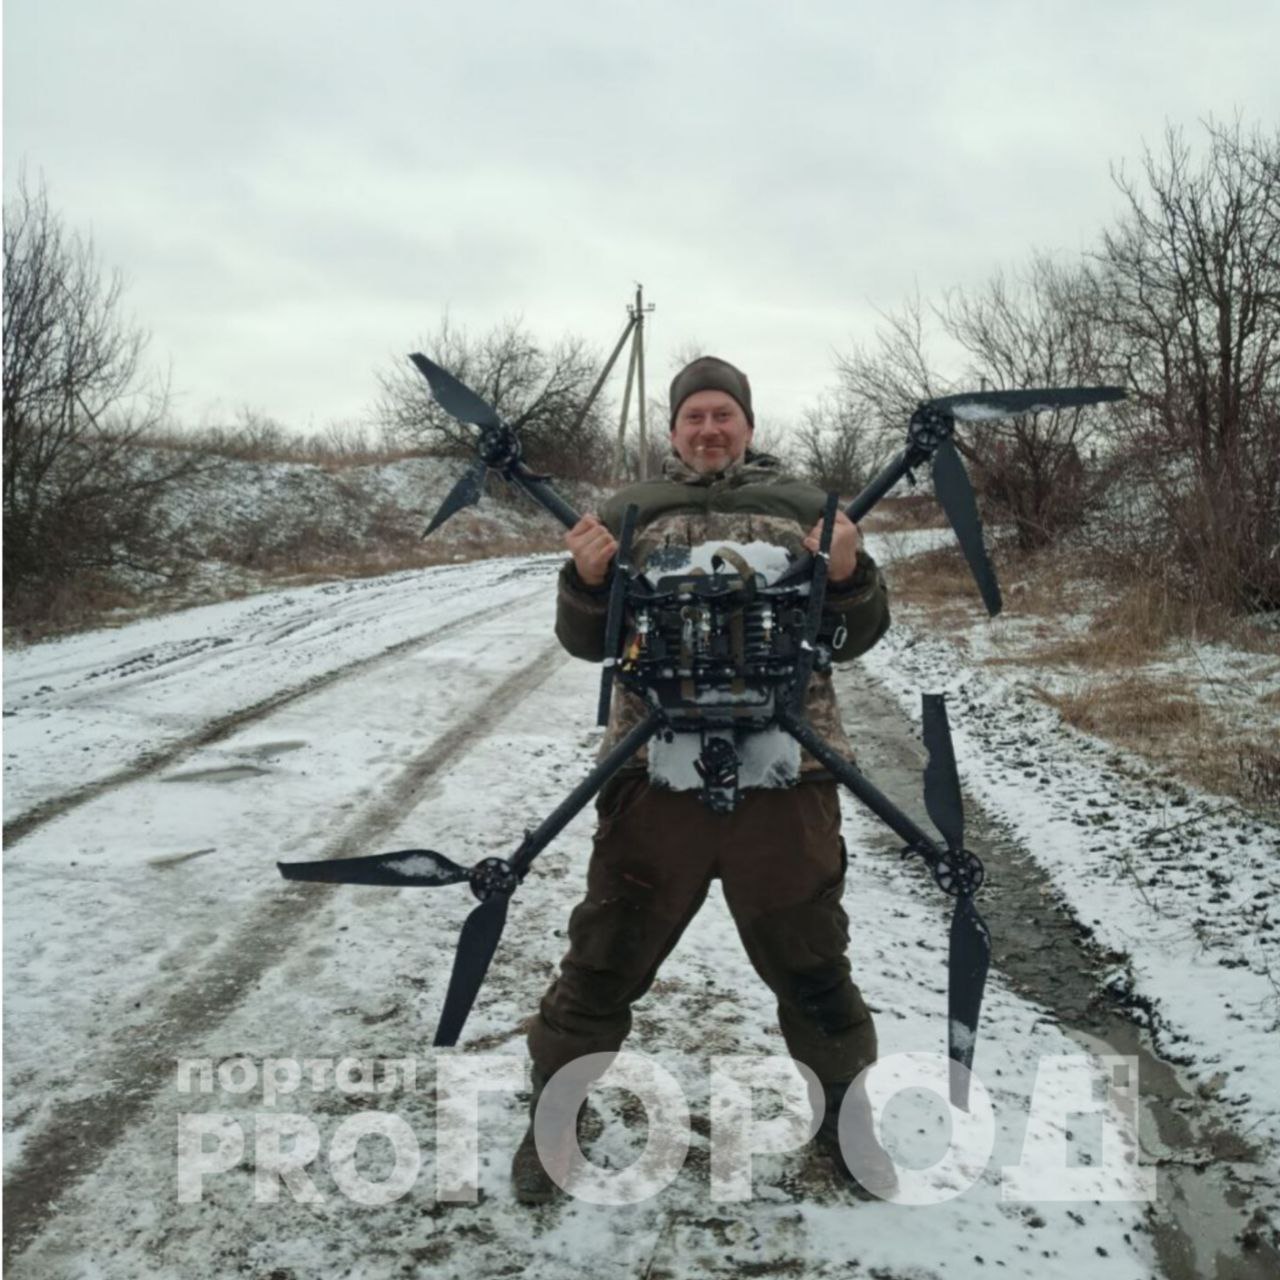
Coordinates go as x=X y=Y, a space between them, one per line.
x=986 y=406
x=941 y=780
x=955 y=493
x=465 y=493
x=403 y=869
x=970 y=957
x=453 y=397
x=476 y=945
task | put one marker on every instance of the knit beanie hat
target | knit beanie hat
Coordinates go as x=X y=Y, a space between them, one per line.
x=707 y=373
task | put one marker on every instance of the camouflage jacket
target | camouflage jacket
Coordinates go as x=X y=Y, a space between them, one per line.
x=753 y=500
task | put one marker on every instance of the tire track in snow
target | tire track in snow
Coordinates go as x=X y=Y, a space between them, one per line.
x=224 y=726
x=83 y=1130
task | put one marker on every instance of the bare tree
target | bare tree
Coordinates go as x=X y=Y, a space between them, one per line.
x=1182 y=304
x=541 y=390
x=1043 y=471
x=831 y=445
x=1191 y=304
x=883 y=383
x=78 y=496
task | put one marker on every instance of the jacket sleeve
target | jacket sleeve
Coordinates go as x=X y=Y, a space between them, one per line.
x=862 y=605
x=580 y=615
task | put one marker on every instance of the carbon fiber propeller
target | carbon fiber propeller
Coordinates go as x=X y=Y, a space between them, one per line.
x=497 y=447
x=465 y=493
x=401 y=869
x=987 y=406
x=959 y=873
x=453 y=397
x=932 y=426
x=492 y=880
x=955 y=496
x=481 y=932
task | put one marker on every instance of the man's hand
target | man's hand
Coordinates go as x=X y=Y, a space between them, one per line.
x=846 y=541
x=592 y=547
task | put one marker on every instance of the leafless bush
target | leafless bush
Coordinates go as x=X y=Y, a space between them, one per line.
x=1190 y=302
x=79 y=497
x=542 y=391
x=1042 y=473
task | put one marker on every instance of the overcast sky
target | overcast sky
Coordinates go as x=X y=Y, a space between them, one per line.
x=295 y=192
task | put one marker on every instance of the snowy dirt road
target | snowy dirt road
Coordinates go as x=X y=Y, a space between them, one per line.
x=154 y=774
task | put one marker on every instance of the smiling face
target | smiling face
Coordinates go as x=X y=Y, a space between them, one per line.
x=711 y=431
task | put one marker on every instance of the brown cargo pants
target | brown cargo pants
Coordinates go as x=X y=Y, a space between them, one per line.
x=781 y=861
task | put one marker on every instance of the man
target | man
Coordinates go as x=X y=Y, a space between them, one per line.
x=779 y=854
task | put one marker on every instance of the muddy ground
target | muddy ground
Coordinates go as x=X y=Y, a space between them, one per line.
x=1211 y=1219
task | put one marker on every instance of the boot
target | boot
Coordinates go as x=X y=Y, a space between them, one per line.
x=532 y=1182
x=875 y=1177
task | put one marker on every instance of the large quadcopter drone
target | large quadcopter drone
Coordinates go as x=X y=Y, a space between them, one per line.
x=718 y=660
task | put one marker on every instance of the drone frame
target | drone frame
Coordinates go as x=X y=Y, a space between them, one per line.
x=956 y=870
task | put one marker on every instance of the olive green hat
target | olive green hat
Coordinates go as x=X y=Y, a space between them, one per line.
x=707 y=373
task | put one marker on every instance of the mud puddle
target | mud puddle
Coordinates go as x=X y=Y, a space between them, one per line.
x=165 y=860
x=227 y=773
x=1206 y=1220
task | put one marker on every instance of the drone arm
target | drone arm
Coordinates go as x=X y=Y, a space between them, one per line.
x=879 y=485
x=853 y=778
x=884 y=480
x=543 y=494
x=969 y=946
x=556 y=821
x=483 y=928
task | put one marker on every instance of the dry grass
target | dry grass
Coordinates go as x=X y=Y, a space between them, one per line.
x=1166 y=720
x=1132 y=618
x=1132 y=707
x=1033 y=585
x=932 y=580
x=421 y=555
x=334 y=451
x=74 y=605
x=1174 y=721
x=1199 y=725
x=88 y=603
x=1124 y=632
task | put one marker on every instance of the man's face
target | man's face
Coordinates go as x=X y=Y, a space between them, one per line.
x=711 y=431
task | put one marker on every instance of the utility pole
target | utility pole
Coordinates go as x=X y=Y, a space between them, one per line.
x=635 y=373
